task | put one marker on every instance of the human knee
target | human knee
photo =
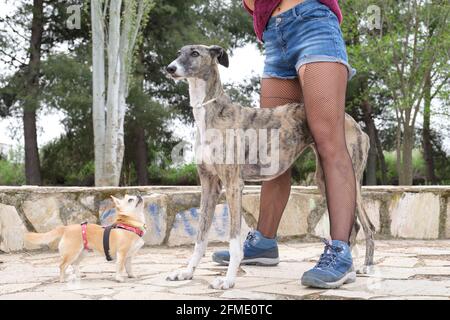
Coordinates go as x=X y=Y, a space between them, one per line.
x=330 y=148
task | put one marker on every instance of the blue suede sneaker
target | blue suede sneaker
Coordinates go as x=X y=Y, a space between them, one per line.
x=258 y=250
x=334 y=268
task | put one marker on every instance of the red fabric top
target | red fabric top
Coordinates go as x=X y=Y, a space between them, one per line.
x=264 y=10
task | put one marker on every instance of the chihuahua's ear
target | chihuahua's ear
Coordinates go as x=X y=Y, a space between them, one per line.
x=116 y=201
x=220 y=54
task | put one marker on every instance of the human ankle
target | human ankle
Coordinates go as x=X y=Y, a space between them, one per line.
x=267 y=235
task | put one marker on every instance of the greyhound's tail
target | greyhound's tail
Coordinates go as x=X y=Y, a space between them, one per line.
x=45 y=238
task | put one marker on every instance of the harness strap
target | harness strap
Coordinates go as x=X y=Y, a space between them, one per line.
x=106 y=241
x=107 y=232
x=84 y=235
x=136 y=230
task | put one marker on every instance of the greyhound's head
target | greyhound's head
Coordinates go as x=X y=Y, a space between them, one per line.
x=197 y=61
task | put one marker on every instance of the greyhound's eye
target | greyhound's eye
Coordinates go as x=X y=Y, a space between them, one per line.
x=195 y=53
x=130 y=200
x=178 y=53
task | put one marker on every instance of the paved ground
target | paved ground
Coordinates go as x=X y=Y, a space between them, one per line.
x=404 y=270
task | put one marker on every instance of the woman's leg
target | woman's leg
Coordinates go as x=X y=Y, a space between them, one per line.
x=324 y=87
x=275 y=193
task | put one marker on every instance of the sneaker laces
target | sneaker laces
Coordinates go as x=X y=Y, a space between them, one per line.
x=250 y=236
x=329 y=256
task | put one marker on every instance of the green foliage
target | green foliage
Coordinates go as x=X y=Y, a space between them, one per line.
x=183 y=175
x=67 y=88
x=418 y=166
x=65 y=162
x=304 y=168
x=11 y=174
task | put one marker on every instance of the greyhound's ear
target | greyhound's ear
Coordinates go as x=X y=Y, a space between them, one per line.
x=221 y=55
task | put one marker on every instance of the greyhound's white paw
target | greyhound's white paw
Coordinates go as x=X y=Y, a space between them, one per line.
x=119 y=278
x=179 y=275
x=222 y=283
x=131 y=275
x=366 y=270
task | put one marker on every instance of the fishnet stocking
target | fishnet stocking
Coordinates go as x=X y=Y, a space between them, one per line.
x=324 y=87
x=275 y=193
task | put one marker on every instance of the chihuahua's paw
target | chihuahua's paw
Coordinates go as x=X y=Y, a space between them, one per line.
x=221 y=283
x=179 y=275
x=119 y=278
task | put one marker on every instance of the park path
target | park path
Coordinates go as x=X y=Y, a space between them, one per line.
x=405 y=269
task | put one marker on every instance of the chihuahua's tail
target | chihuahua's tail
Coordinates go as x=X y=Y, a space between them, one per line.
x=45 y=238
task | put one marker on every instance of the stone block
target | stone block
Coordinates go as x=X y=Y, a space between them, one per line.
x=415 y=215
x=184 y=229
x=12 y=229
x=43 y=213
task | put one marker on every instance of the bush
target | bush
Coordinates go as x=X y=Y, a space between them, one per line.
x=11 y=174
x=391 y=165
x=183 y=175
x=304 y=168
x=84 y=177
x=67 y=162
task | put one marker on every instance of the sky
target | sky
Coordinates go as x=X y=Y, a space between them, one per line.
x=244 y=63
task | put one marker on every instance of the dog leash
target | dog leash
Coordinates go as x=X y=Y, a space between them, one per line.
x=201 y=105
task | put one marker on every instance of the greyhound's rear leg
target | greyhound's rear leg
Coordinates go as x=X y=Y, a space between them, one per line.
x=234 y=199
x=211 y=188
x=368 y=231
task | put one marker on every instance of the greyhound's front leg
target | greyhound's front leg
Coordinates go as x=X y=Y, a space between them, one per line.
x=211 y=188
x=234 y=200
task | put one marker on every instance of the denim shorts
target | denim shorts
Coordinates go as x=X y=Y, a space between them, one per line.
x=308 y=32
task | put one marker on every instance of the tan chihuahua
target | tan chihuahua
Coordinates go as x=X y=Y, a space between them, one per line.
x=124 y=240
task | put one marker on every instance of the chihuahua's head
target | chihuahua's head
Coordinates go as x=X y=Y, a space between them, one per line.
x=196 y=61
x=132 y=206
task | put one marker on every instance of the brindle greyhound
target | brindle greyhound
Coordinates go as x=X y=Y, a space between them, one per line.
x=214 y=111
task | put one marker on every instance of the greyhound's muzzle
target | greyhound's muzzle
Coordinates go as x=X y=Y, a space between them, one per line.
x=171 y=69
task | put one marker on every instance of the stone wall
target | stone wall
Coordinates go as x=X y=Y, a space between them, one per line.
x=172 y=212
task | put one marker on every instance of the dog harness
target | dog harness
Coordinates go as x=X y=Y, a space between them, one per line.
x=106 y=234
x=84 y=236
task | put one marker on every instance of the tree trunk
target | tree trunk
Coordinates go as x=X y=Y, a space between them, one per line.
x=98 y=87
x=398 y=152
x=141 y=156
x=426 y=133
x=371 y=168
x=122 y=33
x=407 y=148
x=127 y=41
x=31 y=103
x=111 y=173
x=141 y=152
x=32 y=162
x=381 y=159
